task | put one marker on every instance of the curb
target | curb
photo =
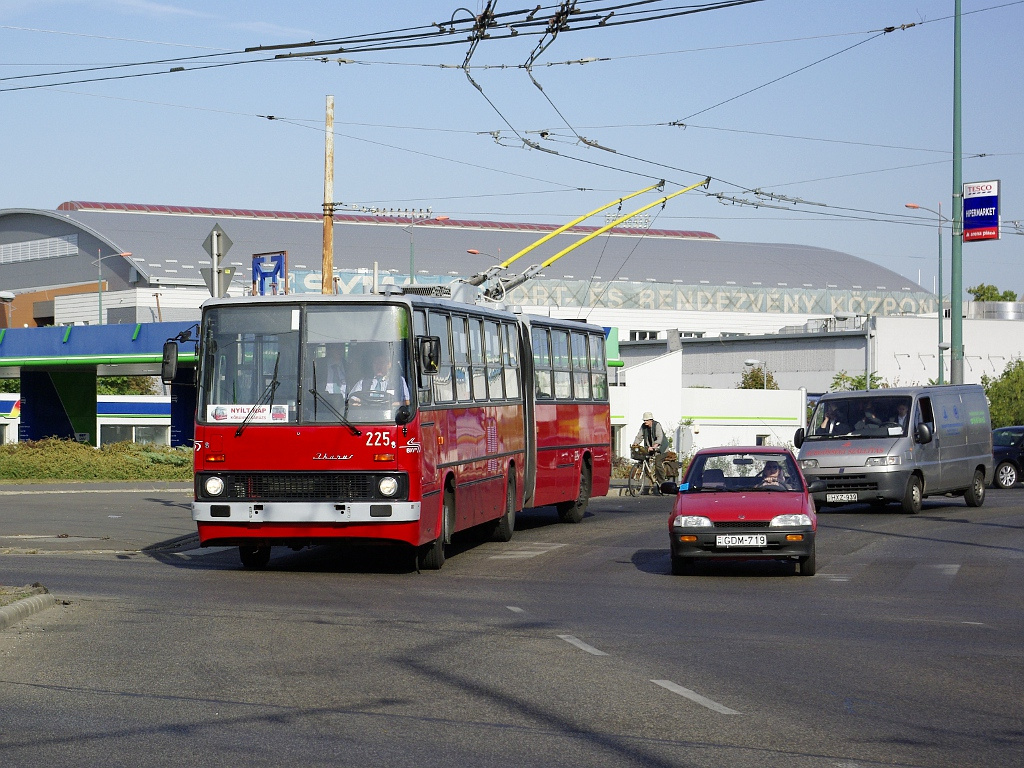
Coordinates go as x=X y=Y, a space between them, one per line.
x=24 y=608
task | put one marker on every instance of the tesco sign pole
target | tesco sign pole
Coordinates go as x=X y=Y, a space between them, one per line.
x=981 y=210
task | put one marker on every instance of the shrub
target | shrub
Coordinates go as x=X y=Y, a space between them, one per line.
x=54 y=459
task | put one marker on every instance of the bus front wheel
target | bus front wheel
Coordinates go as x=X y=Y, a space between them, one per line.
x=254 y=558
x=431 y=556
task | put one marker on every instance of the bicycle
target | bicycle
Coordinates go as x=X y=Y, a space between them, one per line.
x=640 y=479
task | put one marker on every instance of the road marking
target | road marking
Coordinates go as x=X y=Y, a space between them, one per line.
x=526 y=551
x=695 y=697
x=572 y=640
x=514 y=609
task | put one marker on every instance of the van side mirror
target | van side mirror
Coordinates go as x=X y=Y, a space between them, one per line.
x=429 y=354
x=169 y=365
x=798 y=438
x=923 y=433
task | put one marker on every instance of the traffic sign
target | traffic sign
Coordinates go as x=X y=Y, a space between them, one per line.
x=223 y=242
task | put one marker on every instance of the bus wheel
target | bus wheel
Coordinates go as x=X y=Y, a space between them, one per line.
x=506 y=525
x=432 y=555
x=573 y=511
x=254 y=558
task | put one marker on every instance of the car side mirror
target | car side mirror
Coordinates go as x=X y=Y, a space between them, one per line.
x=923 y=433
x=817 y=486
x=669 y=488
x=169 y=364
x=798 y=438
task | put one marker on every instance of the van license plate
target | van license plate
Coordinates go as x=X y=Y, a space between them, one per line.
x=742 y=540
x=840 y=497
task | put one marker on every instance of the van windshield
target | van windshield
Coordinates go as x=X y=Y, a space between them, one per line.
x=855 y=417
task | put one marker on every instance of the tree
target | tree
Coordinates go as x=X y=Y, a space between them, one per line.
x=754 y=378
x=985 y=292
x=1006 y=395
x=125 y=385
x=843 y=382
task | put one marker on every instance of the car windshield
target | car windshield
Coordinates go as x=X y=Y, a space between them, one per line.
x=843 y=418
x=1008 y=438
x=728 y=472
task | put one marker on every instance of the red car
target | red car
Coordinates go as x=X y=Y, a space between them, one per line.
x=742 y=503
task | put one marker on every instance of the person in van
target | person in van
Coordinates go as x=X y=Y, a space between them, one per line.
x=869 y=418
x=831 y=424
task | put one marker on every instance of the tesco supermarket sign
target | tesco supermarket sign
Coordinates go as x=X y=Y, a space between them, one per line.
x=981 y=210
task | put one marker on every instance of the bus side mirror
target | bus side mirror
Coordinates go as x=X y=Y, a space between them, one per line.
x=403 y=415
x=923 y=433
x=798 y=438
x=169 y=365
x=430 y=354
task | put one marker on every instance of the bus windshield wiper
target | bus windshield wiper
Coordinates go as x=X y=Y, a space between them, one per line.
x=266 y=397
x=319 y=398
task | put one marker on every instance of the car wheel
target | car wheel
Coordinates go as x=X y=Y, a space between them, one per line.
x=975 y=494
x=682 y=566
x=254 y=558
x=912 y=497
x=1006 y=475
x=808 y=567
x=573 y=511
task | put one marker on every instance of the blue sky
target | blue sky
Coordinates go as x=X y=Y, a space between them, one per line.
x=802 y=98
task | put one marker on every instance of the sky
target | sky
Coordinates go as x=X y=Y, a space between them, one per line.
x=808 y=108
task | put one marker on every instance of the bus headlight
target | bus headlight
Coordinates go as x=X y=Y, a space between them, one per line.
x=388 y=486
x=213 y=486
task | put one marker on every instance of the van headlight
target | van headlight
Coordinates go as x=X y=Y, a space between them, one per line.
x=808 y=463
x=883 y=461
x=213 y=485
x=388 y=486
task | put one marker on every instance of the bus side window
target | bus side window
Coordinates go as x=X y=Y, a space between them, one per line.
x=476 y=350
x=560 y=360
x=444 y=392
x=598 y=367
x=510 y=359
x=419 y=328
x=542 y=364
x=460 y=354
x=492 y=358
x=580 y=366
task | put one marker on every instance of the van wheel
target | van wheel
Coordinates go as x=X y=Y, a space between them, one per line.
x=912 y=497
x=1006 y=475
x=975 y=494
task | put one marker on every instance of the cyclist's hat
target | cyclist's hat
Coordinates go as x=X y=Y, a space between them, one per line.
x=648 y=415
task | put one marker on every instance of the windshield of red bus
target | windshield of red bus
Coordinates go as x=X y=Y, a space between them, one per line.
x=286 y=364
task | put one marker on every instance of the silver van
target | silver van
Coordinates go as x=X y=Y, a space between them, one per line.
x=899 y=445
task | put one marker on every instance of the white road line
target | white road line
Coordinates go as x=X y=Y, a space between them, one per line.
x=695 y=697
x=525 y=551
x=571 y=640
x=514 y=609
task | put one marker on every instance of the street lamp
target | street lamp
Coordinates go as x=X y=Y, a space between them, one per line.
x=942 y=310
x=764 y=369
x=99 y=279
x=412 y=248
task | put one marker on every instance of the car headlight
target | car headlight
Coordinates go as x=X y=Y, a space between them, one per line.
x=388 y=486
x=882 y=461
x=789 y=521
x=808 y=463
x=691 y=521
x=214 y=486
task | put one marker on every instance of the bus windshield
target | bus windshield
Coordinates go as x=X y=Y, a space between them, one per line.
x=860 y=417
x=282 y=364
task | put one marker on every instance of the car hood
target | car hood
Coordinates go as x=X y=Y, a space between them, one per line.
x=741 y=505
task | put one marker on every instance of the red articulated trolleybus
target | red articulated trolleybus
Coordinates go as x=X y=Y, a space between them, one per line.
x=391 y=418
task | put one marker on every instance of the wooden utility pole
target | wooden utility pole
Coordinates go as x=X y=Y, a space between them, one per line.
x=327 y=283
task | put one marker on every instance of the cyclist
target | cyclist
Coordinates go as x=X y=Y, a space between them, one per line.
x=652 y=437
